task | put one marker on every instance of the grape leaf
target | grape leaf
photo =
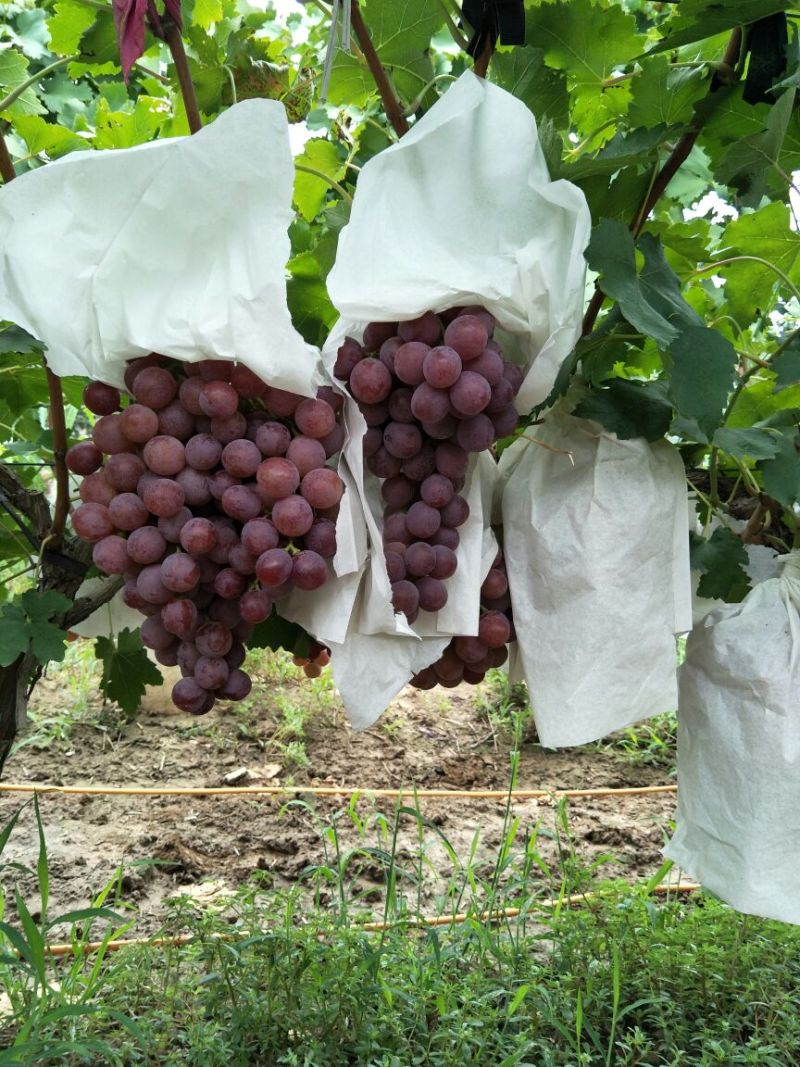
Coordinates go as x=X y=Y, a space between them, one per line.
x=46 y=137
x=664 y=93
x=721 y=560
x=25 y=622
x=747 y=162
x=127 y=669
x=311 y=309
x=13 y=72
x=629 y=408
x=781 y=475
x=756 y=443
x=787 y=368
x=706 y=18
x=522 y=72
x=309 y=190
x=611 y=253
x=69 y=23
x=768 y=235
x=701 y=376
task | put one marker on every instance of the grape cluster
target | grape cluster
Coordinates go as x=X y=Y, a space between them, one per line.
x=432 y=390
x=467 y=659
x=210 y=492
x=317 y=657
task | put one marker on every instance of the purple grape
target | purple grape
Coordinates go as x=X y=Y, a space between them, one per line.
x=376 y=333
x=241 y=560
x=334 y=441
x=226 y=539
x=151 y=587
x=274 y=567
x=504 y=422
x=347 y=356
x=198 y=536
x=279 y=477
x=187 y=653
x=180 y=573
x=281 y=403
x=146 y=545
x=110 y=555
x=293 y=516
x=203 y=452
x=467 y=335
x=321 y=538
x=306 y=454
x=255 y=606
x=180 y=618
x=237 y=655
x=218 y=482
x=418 y=467
x=241 y=458
x=258 y=536
x=387 y=351
x=395 y=529
x=210 y=672
x=175 y=421
x=154 y=387
x=168 y=657
x=398 y=491
x=494 y=629
x=432 y=594
x=247 y=384
x=172 y=525
x=408 y=361
x=471 y=650
x=94 y=489
x=476 y=434
x=442 y=429
x=437 y=490
x=489 y=364
x=442 y=367
x=272 y=439
x=163 y=497
x=395 y=566
x=218 y=399
x=456 y=513
x=189 y=395
x=447 y=537
x=230 y=584
x=127 y=512
x=400 y=405
x=213 y=639
x=470 y=394
x=370 y=381
x=502 y=397
x=446 y=562
x=309 y=570
x=514 y=374
x=108 y=435
x=384 y=465
x=236 y=687
x=84 y=458
x=423 y=521
x=374 y=414
x=231 y=429
x=92 y=522
x=314 y=418
x=430 y=405
x=195 y=487
x=101 y=399
x=405 y=597
x=322 y=488
x=154 y=634
x=188 y=696
x=241 y=503
x=372 y=441
x=420 y=559
x=426 y=329
x=402 y=440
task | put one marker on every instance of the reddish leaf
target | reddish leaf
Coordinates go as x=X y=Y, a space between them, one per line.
x=129 y=18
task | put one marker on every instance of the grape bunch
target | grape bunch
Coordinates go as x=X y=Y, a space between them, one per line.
x=432 y=390
x=210 y=492
x=467 y=659
x=317 y=657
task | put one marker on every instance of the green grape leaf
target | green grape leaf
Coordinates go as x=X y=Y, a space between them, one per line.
x=623 y=150
x=14 y=636
x=698 y=19
x=757 y=443
x=13 y=72
x=629 y=408
x=31 y=33
x=522 y=72
x=127 y=669
x=309 y=190
x=611 y=253
x=701 y=377
x=767 y=235
x=781 y=475
x=206 y=13
x=14 y=339
x=747 y=163
x=48 y=138
x=721 y=561
x=787 y=368
x=25 y=622
x=664 y=93
x=69 y=23
x=311 y=309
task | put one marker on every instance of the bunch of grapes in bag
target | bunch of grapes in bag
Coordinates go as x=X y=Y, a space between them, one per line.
x=212 y=494
x=432 y=391
x=467 y=659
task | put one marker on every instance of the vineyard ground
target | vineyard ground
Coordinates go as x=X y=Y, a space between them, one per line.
x=292 y=731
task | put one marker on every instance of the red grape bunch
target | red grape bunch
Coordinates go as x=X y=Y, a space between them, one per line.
x=432 y=391
x=467 y=659
x=317 y=657
x=210 y=492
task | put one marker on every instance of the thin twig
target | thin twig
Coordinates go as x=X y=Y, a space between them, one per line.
x=482 y=61
x=391 y=105
x=172 y=36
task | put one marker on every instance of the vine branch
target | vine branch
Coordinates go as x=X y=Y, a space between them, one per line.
x=172 y=36
x=391 y=104
x=674 y=162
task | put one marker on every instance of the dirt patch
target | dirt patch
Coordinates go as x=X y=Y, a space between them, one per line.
x=289 y=733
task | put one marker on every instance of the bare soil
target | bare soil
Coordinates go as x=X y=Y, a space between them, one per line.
x=207 y=846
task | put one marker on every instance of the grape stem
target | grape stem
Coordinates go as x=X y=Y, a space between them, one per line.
x=174 y=41
x=391 y=105
x=674 y=162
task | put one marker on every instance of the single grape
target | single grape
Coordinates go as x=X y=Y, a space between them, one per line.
x=425 y=679
x=127 y=512
x=245 y=382
x=334 y=441
x=470 y=394
x=442 y=367
x=437 y=490
x=514 y=374
x=332 y=397
x=470 y=650
x=489 y=365
x=505 y=421
x=422 y=520
x=231 y=429
x=494 y=629
x=309 y=570
x=146 y=545
x=241 y=458
x=374 y=414
x=292 y=516
x=136 y=365
x=376 y=333
x=151 y=587
x=497 y=657
x=400 y=405
x=502 y=397
x=348 y=354
x=139 y=423
x=123 y=471
x=226 y=539
x=402 y=440
x=175 y=421
x=446 y=563
x=395 y=529
x=418 y=467
x=420 y=559
x=255 y=606
x=432 y=594
x=472 y=676
x=384 y=465
x=219 y=482
x=213 y=639
x=211 y=672
x=163 y=497
x=180 y=573
x=483 y=315
x=241 y=503
x=164 y=456
x=203 y=452
x=258 y=536
x=92 y=522
x=171 y=525
x=94 y=489
x=154 y=634
x=467 y=335
x=314 y=418
x=154 y=387
x=372 y=441
x=430 y=405
x=101 y=399
x=278 y=476
x=189 y=395
x=108 y=435
x=195 y=487
x=476 y=434
x=272 y=439
x=408 y=362
x=237 y=686
x=455 y=513
x=387 y=352
x=84 y=458
x=180 y=618
x=447 y=537
x=168 y=657
x=495 y=584
x=395 y=566
x=274 y=567
x=198 y=536
x=241 y=560
x=110 y=555
x=306 y=454
x=405 y=597
x=500 y=603
x=398 y=491
x=218 y=399
x=426 y=329
x=370 y=381
x=187 y=653
x=230 y=584
x=320 y=538
x=442 y=429
x=237 y=655
x=322 y=488
x=281 y=403
x=188 y=696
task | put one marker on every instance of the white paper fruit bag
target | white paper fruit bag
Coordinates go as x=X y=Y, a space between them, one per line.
x=597 y=550
x=738 y=820
x=460 y=212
